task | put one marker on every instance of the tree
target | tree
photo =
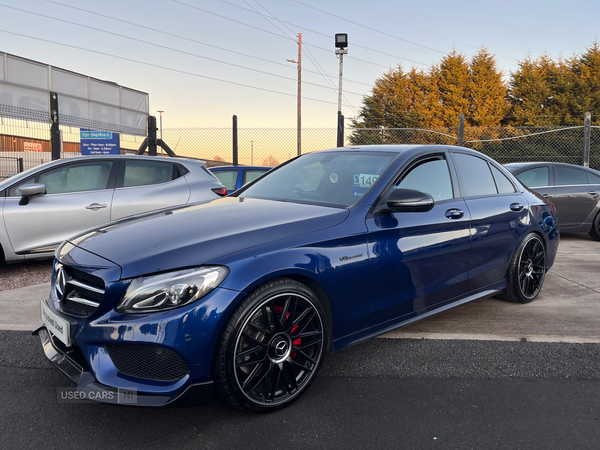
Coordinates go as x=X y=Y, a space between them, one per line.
x=453 y=85
x=529 y=92
x=218 y=158
x=487 y=91
x=270 y=161
x=586 y=82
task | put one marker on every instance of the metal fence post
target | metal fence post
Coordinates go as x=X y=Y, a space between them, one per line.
x=20 y=165
x=54 y=128
x=235 y=141
x=587 y=128
x=461 y=130
x=152 y=136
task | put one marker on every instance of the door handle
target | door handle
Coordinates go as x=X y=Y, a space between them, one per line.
x=454 y=213
x=95 y=206
x=592 y=192
x=516 y=206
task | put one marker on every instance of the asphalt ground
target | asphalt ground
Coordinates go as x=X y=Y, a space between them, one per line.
x=487 y=375
x=400 y=393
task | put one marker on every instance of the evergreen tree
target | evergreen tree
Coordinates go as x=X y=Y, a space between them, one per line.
x=586 y=83
x=487 y=91
x=529 y=93
x=453 y=85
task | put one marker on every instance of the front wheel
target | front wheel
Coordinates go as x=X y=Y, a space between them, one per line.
x=526 y=271
x=271 y=348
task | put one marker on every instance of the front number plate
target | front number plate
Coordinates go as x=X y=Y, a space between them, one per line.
x=56 y=325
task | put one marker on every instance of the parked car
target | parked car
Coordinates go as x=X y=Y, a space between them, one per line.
x=250 y=291
x=42 y=207
x=574 y=190
x=234 y=177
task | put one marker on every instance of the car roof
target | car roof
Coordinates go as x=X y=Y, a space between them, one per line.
x=239 y=167
x=515 y=167
x=186 y=162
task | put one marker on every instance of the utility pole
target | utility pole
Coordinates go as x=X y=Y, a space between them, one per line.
x=299 y=64
x=341 y=44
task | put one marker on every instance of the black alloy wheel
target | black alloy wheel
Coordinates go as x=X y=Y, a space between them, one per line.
x=527 y=271
x=273 y=349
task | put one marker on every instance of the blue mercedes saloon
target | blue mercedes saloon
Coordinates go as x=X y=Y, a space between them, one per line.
x=247 y=294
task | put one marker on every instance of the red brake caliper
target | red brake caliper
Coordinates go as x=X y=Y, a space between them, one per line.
x=298 y=341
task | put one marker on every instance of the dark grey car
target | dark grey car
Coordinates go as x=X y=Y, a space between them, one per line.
x=574 y=190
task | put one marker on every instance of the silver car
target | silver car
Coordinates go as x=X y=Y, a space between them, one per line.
x=42 y=207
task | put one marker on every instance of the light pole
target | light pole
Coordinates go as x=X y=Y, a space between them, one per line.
x=341 y=44
x=160 y=112
x=299 y=63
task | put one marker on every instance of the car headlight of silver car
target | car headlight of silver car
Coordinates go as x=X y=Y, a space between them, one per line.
x=170 y=290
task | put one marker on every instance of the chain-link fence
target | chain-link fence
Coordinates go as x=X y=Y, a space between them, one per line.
x=25 y=140
x=504 y=144
x=256 y=146
x=26 y=143
x=271 y=146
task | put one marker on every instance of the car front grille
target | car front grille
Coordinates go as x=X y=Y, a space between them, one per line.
x=79 y=293
x=150 y=362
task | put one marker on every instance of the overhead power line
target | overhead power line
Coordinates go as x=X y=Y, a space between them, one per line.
x=166 y=47
x=308 y=52
x=192 y=40
x=369 y=28
x=163 y=67
x=270 y=32
x=328 y=36
x=422 y=29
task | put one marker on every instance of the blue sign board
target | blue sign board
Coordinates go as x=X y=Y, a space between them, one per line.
x=99 y=142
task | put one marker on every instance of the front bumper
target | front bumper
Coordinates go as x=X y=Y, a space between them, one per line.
x=76 y=369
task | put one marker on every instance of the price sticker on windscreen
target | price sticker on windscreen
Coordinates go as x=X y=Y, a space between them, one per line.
x=364 y=180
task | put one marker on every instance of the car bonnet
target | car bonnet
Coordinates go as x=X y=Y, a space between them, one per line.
x=196 y=234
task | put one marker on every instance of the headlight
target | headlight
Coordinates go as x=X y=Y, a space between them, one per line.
x=170 y=290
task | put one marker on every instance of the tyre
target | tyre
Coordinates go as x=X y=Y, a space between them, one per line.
x=595 y=231
x=271 y=348
x=526 y=271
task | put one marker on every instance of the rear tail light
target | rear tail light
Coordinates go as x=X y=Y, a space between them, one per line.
x=552 y=205
x=220 y=191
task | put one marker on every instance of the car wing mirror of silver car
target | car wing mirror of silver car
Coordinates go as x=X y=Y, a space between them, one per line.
x=31 y=190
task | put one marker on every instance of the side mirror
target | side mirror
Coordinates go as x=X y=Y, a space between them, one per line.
x=409 y=200
x=31 y=190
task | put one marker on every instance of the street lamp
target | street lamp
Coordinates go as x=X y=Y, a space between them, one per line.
x=341 y=44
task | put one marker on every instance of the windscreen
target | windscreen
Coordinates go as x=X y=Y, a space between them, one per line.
x=336 y=179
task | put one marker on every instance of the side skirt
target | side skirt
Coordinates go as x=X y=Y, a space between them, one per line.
x=415 y=317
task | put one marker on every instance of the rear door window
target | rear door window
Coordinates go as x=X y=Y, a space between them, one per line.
x=474 y=174
x=251 y=175
x=145 y=173
x=534 y=178
x=228 y=178
x=569 y=176
x=594 y=179
x=502 y=182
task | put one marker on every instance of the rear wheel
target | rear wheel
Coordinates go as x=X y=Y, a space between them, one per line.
x=271 y=348
x=527 y=271
x=595 y=231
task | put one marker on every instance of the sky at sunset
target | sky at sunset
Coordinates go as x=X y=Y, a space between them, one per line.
x=203 y=61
